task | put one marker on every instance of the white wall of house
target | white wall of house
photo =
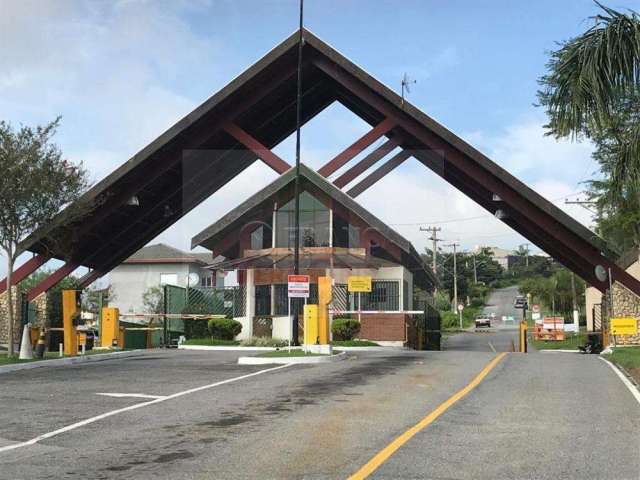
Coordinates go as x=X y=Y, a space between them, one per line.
x=130 y=280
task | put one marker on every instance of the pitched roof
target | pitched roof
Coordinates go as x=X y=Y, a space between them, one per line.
x=208 y=236
x=163 y=253
x=196 y=157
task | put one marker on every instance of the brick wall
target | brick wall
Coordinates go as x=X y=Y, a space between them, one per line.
x=389 y=327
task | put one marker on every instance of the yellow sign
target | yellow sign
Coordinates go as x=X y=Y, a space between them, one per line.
x=359 y=284
x=624 y=326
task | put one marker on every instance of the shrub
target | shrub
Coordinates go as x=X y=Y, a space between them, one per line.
x=263 y=342
x=224 y=328
x=345 y=329
x=196 y=328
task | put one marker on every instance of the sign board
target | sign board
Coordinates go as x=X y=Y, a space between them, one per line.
x=359 y=284
x=460 y=307
x=553 y=323
x=298 y=286
x=535 y=315
x=624 y=326
x=535 y=308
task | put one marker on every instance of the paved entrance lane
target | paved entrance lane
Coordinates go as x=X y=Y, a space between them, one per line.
x=536 y=416
x=313 y=421
x=501 y=337
x=45 y=399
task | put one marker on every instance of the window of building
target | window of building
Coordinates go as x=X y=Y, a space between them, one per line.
x=384 y=296
x=168 y=279
x=281 y=299
x=263 y=299
x=207 y=279
x=344 y=234
x=261 y=237
x=314 y=223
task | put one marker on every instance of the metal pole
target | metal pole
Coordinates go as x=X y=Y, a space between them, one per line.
x=475 y=272
x=296 y=191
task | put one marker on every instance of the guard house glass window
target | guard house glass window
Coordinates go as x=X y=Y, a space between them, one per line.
x=344 y=234
x=261 y=237
x=314 y=223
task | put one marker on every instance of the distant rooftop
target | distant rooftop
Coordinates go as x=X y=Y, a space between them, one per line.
x=163 y=253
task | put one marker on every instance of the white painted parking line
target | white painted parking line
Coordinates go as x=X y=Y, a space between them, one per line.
x=632 y=388
x=492 y=347
x=97 y=418
x=130 y=395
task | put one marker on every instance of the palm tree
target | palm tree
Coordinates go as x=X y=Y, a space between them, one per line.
x=590 y=77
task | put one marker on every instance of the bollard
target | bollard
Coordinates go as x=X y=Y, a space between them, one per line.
x=40 y=347
x=523 y=336
x=60 y=346
x=82 y=349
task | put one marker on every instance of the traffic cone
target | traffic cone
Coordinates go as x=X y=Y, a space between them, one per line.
x=40 y=347
x=26 y=350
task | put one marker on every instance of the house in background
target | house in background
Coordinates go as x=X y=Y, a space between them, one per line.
x=505 y=258
x=338 y=238
x=157 y=265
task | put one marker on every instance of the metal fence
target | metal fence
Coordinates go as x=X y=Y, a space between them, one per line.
x=385 y=296
x=228 y=301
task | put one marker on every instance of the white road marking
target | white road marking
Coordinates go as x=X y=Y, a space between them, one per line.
x=632 y=388
x=88 y=421
x=127 y=395
x=492 y=348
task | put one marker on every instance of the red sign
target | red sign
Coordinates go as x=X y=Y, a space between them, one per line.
x=298 y=286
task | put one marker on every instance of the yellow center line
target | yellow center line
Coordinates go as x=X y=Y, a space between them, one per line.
x=390 y=449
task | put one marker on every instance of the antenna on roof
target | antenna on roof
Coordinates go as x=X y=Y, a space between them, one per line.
x=405 y=85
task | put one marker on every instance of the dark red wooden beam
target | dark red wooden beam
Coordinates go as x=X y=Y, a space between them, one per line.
x=392 y=163
x=357 y=147
x=23 y=271
x=89 y=278
x=263 y=153
x=51 y=280
x=554 y=228
x=365 y=163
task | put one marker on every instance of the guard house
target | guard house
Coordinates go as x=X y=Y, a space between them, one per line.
x=338 y=238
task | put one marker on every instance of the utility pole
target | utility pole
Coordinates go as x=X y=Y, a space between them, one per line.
x=296 y=245
x=455 y=275
x=434 y=238
x=526 y=255
x=475 y=272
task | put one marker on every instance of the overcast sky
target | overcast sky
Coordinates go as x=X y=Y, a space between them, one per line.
x=122 y=72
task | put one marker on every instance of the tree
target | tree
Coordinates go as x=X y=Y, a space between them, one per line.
x=36 y=183
x=153 y=300
x=591 y=78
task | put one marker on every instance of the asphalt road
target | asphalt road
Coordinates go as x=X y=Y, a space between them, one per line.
x=534 y=416
x=501 y=337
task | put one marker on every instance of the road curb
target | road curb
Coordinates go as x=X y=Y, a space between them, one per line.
x=60 y=362
x=229 y=348
x=627 y=380
x=239 y=348
x=291 y=360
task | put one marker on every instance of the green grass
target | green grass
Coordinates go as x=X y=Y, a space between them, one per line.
x=570 y=342
x=6 y=360
x=354 y=343
x=627 y=357
x=292 y=353
x=212 y=342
